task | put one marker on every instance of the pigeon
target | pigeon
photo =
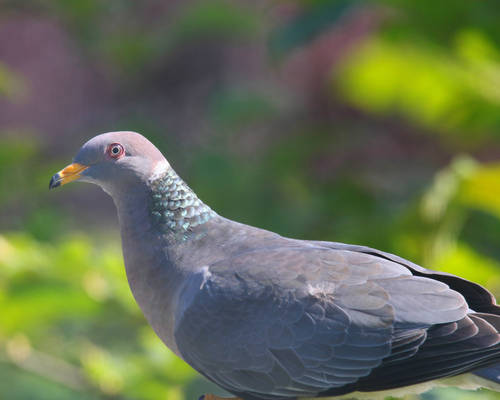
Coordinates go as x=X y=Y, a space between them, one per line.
x=267 y=317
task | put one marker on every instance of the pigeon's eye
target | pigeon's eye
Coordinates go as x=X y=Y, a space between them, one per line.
x=115 y=150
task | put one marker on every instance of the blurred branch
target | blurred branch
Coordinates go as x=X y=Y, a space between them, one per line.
x=19 y=352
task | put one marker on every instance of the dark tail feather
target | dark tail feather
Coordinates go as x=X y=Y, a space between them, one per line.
x=491 y=373
x=492 y=319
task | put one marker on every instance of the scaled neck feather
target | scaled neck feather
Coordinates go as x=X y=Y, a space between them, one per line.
x=174 y=207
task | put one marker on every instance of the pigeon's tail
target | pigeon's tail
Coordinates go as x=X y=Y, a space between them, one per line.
x=491 y=373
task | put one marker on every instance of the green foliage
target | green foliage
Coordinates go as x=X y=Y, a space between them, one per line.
x=11 y=85
x=326 y=161
x=436 y=90
x=68 y=316
x=317 y=17
x=215 y=18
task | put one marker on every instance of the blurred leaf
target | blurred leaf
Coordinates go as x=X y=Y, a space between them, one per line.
x=103 y=369
x=481 y=231
x=12 y=86
x=72 y=300
x=237 y=108
x=130 y=51
x=431 y=87
x=463 y=261
x=214 y=18
x=482 y=189
x=314 y=19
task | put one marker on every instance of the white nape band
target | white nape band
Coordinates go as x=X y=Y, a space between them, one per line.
x=160 y=168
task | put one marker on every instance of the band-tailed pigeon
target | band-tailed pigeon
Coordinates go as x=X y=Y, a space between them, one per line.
x=268 y=317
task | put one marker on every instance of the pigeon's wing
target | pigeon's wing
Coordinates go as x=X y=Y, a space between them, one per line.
x=449 y=349
x=304 y=321
x=478 y=297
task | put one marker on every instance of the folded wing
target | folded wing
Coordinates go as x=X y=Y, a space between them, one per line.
x=309 y=320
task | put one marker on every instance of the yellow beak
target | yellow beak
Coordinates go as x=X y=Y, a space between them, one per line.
x=70 y=173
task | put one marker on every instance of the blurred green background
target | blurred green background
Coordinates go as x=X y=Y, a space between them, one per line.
x=374 y=122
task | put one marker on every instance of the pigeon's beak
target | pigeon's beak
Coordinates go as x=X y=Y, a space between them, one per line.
x=70 y=173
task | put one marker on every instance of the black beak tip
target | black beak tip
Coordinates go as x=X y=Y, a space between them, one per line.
x=55 y=181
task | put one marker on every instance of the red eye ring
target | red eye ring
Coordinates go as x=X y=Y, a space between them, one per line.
x=115 y=150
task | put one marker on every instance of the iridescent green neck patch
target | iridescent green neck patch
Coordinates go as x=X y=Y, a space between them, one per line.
x=174 y=206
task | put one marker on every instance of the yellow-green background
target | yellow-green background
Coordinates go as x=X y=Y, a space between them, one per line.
x=370 y=122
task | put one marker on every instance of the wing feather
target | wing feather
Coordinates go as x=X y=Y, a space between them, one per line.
x=310 y=321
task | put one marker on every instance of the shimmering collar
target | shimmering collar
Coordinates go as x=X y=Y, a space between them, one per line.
x=174 y=206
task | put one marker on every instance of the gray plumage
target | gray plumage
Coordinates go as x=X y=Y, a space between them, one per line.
x=268 y=317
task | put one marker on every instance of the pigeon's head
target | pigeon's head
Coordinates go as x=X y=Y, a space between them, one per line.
x=115 y=161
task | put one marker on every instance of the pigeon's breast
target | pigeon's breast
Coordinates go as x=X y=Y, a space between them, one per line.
x=155 y=284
